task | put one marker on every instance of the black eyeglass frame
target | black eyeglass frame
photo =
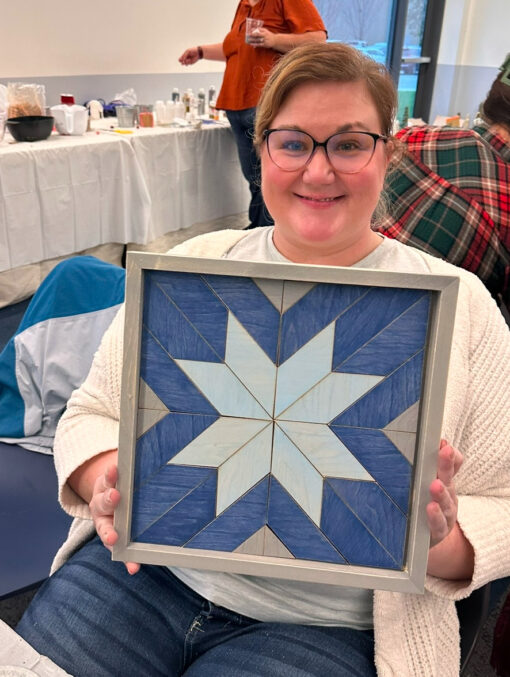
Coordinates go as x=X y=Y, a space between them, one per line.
x=323 y=144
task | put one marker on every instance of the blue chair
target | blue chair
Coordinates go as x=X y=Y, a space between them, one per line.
x=67 y=316
x=32 y=523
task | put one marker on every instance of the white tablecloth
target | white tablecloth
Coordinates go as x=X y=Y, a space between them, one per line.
x=192 y=176
x=67 y=194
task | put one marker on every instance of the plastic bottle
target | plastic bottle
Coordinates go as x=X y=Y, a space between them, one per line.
x=211 y=96
x=213 y=111
x=160 y=111
x=187 y=99
x=201 y=102
x=176 y=95
x=180 y=110
x=170 y=111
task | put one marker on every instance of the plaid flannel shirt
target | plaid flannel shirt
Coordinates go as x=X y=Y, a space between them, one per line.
x=450 y=197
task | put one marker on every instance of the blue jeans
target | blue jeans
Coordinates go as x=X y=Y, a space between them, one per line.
x=241 y=122
x=95 y=620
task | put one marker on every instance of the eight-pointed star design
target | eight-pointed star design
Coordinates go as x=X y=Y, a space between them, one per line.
x=276 y=417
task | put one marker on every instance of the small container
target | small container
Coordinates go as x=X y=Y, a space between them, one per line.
x=126 y=116
x=146 y=119
x=67 y=98
x=176 y=95
x=211 y=95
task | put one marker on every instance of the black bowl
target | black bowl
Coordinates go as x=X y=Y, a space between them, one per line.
x=30 y=127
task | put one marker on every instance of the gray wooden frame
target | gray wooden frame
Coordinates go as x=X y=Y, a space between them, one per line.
x=441 y=321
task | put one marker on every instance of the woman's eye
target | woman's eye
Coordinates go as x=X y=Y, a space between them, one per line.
x=346 y=147
x=293 y=146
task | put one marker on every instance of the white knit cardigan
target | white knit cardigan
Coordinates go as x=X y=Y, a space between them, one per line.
x=415 y=635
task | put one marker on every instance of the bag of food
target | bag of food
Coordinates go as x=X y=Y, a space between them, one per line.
x=25 y=99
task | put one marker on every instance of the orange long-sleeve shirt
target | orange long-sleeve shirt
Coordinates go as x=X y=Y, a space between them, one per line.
x=247 y=66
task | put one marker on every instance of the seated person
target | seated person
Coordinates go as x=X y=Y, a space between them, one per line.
x=94 y=616
x=450 y=193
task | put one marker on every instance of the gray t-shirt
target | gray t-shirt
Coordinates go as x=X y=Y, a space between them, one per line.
x=276 y=600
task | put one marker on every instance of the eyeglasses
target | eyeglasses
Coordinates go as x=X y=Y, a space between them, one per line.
x=348 y=152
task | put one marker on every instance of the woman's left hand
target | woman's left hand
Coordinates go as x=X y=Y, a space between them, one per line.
x=442 y=509
x=261 y=37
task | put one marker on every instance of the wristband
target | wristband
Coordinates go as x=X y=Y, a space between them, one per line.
x=200 y=52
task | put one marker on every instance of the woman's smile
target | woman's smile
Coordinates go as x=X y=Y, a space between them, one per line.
x=318 y=201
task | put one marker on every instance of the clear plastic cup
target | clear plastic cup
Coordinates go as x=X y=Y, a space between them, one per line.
x=126 y=116
x=252 y=25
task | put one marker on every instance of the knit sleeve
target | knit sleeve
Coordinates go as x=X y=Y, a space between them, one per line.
x=90 y=424
x=484 y=480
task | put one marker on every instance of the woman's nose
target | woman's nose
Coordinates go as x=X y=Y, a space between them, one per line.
x=319 y=168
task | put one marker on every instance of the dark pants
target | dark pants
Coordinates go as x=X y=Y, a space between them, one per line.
x=241 y=122
x=94 y=620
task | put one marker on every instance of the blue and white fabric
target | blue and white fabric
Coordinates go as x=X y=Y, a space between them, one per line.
x=52 y=350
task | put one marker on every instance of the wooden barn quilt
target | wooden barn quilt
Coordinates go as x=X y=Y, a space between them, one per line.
x=282 y=422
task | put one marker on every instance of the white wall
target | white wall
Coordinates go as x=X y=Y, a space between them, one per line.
x=474 y=42
x=54 y=37
x=475 y=33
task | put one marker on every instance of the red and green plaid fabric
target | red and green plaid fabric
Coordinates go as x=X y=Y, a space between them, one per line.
x=450 y=196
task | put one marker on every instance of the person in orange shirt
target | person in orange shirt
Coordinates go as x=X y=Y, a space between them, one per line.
x=286 y=24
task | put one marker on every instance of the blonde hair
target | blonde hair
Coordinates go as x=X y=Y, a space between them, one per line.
x=324 y=62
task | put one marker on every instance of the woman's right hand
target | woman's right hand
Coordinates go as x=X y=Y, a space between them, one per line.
x=189 y=57
x=105 y=498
